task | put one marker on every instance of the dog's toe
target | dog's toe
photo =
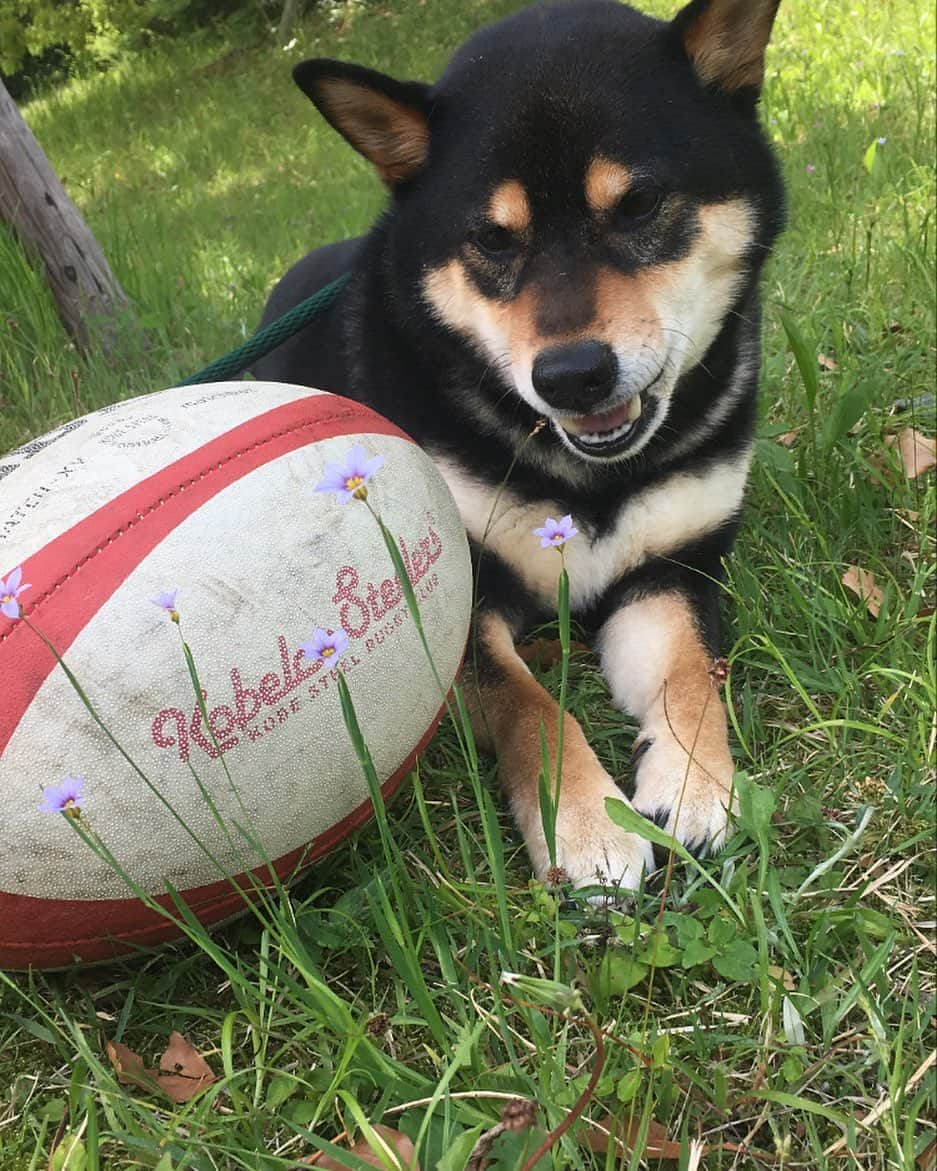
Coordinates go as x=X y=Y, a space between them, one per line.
x=593 y=851
x=686 y=800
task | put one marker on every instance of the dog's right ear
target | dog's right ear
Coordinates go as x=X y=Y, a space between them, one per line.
x=385 y=120
x=725 y=41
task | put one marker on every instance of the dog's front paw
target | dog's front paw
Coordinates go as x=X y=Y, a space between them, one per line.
x=685 y=798
x=590 y=849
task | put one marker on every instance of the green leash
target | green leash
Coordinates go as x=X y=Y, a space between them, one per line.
x=270 y=336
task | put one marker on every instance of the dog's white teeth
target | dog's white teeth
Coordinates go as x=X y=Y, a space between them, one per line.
x=605 y=430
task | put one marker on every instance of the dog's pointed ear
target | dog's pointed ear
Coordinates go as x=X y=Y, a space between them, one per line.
x=385 y=120
x=725 y=41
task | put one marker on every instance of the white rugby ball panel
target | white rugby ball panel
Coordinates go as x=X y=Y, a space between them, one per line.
x=259 y=559
x=87 y=462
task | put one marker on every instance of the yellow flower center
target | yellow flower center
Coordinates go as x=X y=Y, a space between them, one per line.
x=327 y=652
x=353 y=482
x=7 y=598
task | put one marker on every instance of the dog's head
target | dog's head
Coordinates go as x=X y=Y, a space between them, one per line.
x=583 y=197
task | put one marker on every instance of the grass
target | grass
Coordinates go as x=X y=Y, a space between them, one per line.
x=791 y=1006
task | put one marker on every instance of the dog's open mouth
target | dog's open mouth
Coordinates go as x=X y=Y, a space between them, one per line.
x=605 y=433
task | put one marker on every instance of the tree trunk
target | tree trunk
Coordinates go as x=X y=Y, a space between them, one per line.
x=91 y=303
x=287 y=20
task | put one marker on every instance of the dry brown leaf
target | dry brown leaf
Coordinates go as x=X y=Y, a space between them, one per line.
x=827 y=362
x=400 y=1146
x=881 y=473
x=657 y=1145
x=784 y=976
x=129 y=1066
x=789 y=438
x=927 y=1160
x=183 y=1072
x=862 y=584
x=918 y=452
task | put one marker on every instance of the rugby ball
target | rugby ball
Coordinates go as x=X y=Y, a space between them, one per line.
x=217 y=505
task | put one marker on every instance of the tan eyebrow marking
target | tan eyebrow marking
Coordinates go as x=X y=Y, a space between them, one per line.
x=606 y=183
x=509 y=207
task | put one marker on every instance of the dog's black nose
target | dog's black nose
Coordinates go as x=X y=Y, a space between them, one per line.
x=576 y=377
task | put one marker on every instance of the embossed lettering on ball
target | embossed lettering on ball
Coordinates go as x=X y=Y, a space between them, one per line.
x=203 y=500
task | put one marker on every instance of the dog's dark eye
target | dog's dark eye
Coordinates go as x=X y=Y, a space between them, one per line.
x=636 y=207
x=494 y=240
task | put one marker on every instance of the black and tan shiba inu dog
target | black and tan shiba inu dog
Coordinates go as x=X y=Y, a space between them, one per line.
x=565 y=287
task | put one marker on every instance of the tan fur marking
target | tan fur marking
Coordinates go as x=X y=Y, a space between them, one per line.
x=727 y=41
x=728 y=229
x=513 y=710
x=525 y=339
x=509 y=333
x=509 y=715
x=625 y=310
x=504 y=333
x=458 y=304
x=606 y=183
x=509 y=207
x=690 y=296
x=391 y=136
x=686 y=704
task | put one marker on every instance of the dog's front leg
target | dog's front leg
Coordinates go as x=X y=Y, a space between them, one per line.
x=659 y=668
x=511 y=713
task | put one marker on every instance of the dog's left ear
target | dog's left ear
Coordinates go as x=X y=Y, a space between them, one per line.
x=385 y=120
x=725 y=41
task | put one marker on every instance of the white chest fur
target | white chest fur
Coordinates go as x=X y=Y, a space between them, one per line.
x=655 y=522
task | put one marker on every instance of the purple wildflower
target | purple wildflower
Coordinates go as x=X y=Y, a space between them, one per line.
x=10 y=591
x=881 y=141
x=167 y=601
x=555 y=533
x=348 y=478
x=325 y=645
x=64 y=798
x=810 y=168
